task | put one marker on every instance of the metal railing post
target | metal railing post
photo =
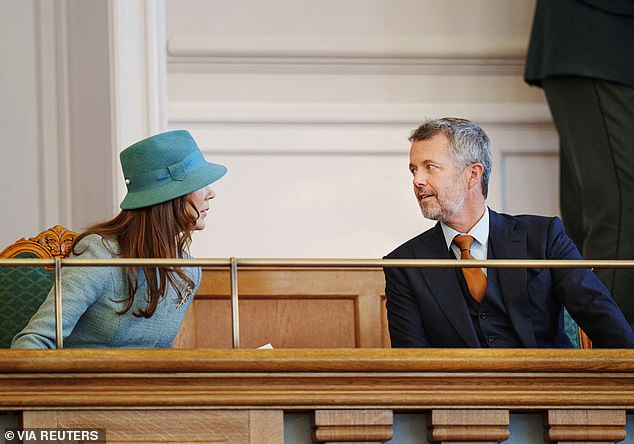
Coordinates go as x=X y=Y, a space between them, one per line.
x=235 y=318
x=59 y=331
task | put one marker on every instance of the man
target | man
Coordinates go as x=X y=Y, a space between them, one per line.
x=450 y=161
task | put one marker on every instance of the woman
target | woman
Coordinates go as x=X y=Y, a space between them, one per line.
x=168 y=198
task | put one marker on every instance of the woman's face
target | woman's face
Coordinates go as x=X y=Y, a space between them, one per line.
x=200 y=200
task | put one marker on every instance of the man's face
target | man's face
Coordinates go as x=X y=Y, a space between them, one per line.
x=439 y=184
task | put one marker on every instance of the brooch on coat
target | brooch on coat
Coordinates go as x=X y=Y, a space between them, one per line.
x=185 y=295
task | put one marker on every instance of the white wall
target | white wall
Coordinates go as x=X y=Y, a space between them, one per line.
x=308 y=103
x=56 y=141
x=19 y=165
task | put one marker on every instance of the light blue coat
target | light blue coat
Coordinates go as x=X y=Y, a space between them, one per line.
x=89 y=308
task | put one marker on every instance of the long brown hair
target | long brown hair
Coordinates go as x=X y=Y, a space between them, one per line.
x=159 y=231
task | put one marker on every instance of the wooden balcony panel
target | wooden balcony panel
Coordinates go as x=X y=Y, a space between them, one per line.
x=170 y=426
x=290 y=308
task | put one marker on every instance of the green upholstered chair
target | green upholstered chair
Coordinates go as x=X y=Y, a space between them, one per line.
x=23 y=289
x=575 y=333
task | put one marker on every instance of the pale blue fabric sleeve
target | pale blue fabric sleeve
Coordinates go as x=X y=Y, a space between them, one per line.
x=81 y=287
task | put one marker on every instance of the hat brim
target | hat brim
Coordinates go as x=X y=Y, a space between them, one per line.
x=194 y=180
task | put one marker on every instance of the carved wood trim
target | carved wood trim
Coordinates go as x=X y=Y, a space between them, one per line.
x=367 y=426
x=473 y=426
x=51 y=243
x=586 y=426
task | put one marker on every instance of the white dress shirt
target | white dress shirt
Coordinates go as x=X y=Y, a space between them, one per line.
x=480 y=233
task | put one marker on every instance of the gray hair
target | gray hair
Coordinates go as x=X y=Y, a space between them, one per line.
x=468 y=142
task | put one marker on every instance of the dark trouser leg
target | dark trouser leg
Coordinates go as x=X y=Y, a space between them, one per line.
x=571 y=199
x=595 y=121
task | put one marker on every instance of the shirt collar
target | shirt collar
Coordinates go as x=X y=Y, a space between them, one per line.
x=480 y=231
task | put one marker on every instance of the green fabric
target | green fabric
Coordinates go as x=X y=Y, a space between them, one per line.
x=571 y=329
x=22 y=291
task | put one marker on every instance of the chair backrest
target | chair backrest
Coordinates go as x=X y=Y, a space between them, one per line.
x=23 y=289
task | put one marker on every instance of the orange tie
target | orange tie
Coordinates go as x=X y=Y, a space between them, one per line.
x=475 y=277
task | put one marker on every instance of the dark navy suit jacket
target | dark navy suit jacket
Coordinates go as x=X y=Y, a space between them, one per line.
x=426 y=307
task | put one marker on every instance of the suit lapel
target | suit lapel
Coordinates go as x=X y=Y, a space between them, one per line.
x=509 y=243
x=444 y=286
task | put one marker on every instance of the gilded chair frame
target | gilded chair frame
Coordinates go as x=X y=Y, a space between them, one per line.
x=51 y=243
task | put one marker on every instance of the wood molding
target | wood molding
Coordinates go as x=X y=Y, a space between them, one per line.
x=473 y=426
x=318 y=379
x=587 y=426
x=367 y=426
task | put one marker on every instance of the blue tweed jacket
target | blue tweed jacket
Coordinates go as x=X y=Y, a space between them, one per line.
x=91 y=298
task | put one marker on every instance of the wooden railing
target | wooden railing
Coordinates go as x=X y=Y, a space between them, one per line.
x=241 y=395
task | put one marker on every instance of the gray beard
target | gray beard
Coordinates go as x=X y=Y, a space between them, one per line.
x=444 y=212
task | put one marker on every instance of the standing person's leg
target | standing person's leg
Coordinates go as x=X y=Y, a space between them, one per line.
x=617 y=103
x=593 y=124
x=570 y=198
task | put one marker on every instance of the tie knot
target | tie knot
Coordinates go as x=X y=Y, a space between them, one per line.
x=463 y=242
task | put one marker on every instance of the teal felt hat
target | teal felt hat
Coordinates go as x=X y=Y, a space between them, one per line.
x=163 y=167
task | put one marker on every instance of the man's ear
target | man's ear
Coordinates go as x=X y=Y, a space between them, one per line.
x=475 y=171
